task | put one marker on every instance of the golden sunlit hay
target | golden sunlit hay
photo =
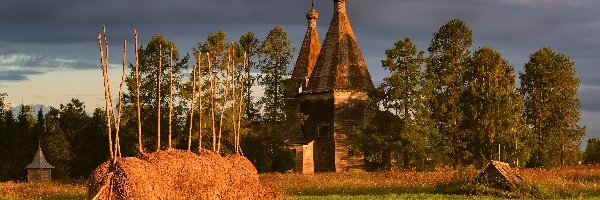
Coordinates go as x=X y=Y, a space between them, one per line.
x=179 y=174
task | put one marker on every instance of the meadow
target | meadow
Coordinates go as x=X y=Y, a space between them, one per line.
x=573 y=182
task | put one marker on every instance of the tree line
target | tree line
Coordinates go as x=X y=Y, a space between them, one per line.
x=75 y=142
x=447 y=107
x=456 y=108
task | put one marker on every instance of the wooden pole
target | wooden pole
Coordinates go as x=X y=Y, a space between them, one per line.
x=107 y=79
x=120 y=111
x=192 y=107
x=137 y=86
x=199 y=56
x=212 y=99
x=108 y=126
x=224 y=102
x=238 y=149
x=170 y=93
x=158 y=95
x=233 y=98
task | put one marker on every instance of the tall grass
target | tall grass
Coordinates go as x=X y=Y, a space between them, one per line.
x=44 y=190
x=563 y=182
x=554 y=183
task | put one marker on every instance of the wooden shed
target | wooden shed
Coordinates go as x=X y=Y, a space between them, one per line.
x=39 y=169
x=303 y=155
x=499 y=175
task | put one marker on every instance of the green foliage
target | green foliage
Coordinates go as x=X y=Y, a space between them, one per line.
x=276 y=54
x=493 y=110
x=264 y=145
x=549 y=86
x=250 y=44
x=448 y=56
x=398 y=136
x=148 y=72
x=592 y=151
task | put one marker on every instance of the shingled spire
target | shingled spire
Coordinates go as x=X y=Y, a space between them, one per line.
x=39 y=161
x=340 y=65
x=309 y=51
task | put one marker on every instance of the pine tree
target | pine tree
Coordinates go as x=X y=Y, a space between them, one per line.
x=276 y=54
x=592 y=152
x=250 y=44
x=549 y=86
x=5 y=144
x=449 y=52
x=405 y=93
x=148 y=70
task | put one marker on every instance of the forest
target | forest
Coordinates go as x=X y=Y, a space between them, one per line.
x=446 y=106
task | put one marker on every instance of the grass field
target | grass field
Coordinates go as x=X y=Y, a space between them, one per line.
x=576 y=182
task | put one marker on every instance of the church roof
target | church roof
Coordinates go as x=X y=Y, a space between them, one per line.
x=340 y=65
x=311 y=46
x=39 y=162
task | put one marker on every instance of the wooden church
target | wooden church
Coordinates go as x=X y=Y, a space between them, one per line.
x=333 y=82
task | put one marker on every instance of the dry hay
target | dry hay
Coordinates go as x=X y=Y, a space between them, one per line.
x=178 y=174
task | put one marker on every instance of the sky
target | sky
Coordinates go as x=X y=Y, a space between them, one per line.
x=49 y=52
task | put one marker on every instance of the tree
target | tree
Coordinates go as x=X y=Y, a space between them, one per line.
x=149 y=58
x=4 y=139
x=549 y=86
x=24 y=146
x=404 y=96
x=493 y=110
x=56 y=147
x=250 y=44
x=266 y=148
x=39 y=128
x=93 y=150
x=592 y=152
x=449 y=53
x=276 y=54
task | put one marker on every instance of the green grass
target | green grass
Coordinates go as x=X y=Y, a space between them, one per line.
x=389 y=196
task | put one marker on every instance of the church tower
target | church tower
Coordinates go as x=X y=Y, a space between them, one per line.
x=311 y=46
x=335 y=98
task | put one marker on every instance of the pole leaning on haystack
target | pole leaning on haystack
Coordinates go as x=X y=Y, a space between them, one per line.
x=233 y=98
x=224 y=102
x=198 y=57
x=108 y=90
x=105 y=94
x=170 y=92
x=212 y=100
x=137 y=86
x=120 y=110
x=238 y=149
x=192 y=107
x=159 y=68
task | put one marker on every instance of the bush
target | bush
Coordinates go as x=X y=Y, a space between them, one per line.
x=592 y=152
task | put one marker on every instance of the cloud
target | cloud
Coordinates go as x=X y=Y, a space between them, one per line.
x=17 y=75
x=589 y=96
x=42 y=62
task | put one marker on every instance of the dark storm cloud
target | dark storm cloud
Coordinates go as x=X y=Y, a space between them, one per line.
x=42 y=62
x=73 y=20
x=589 y=96
x=17 y=75
x=52 y=32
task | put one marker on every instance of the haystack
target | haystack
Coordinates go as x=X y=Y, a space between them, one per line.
x=178 y=174
x=499 y=175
